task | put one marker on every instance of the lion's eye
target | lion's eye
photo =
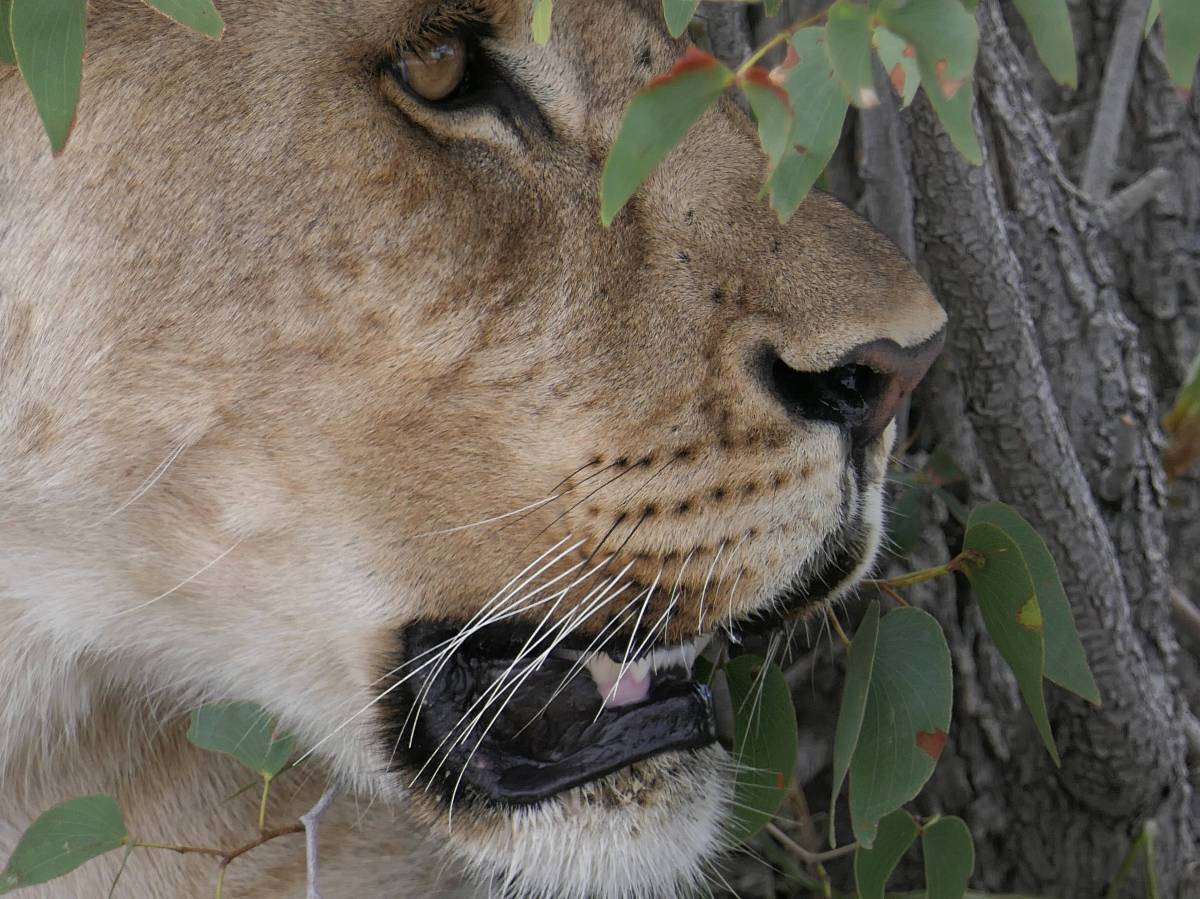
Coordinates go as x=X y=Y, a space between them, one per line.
x=435 y=72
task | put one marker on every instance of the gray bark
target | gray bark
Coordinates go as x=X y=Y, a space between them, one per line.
x=1074 y=313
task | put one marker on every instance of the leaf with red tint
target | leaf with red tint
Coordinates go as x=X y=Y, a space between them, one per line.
x=772 y=111
x=932 y=742
x=899 y=58
x=910 y=694
x=657 y=119
x=694 y=59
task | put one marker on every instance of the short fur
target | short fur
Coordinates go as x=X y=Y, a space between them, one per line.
x=272 y=334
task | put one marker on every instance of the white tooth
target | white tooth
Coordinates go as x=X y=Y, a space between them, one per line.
x=689 y=657
x=640 y=670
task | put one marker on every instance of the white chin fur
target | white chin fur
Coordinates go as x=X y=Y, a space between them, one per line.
x=600 y=841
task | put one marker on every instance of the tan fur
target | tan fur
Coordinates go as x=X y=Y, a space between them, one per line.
x=271 y=332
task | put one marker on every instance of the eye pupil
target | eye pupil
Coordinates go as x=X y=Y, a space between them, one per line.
x=434 y=73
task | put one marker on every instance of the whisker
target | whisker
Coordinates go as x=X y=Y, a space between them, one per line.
x=187 y=580
x=492 y=520
x=151 y=479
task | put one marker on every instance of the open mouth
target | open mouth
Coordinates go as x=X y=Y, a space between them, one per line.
x=517 y=726
x=508 y=714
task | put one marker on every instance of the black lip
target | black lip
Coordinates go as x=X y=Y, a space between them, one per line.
x=551 y=736
x=813 y=587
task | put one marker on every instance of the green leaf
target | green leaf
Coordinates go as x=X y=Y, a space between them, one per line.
x=955 y=115
x=873 y=866
x=949 y=858
x=678 y=13
x=8 y=56
x=904 y=521
x=764 y=744
x=1181 y=38
x=48 y=37
x=906 y=720
x=244 y=731
x=1183 y=425
x=771 y=7
x=1152 y=16
x=62 y=839
x=542 y=10
x=772 y=112
x=848 y=44
x=1066 y=663
x=860 y=661
x=899 y=59
x=1049 y=24
x=820 y=108
x=657 y=119
x=1012 y=616
x=198 y=15
x=945 y=37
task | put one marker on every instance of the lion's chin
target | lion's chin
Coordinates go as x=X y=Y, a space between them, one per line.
x=652 y=830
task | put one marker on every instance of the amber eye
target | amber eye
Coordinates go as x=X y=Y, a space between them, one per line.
x=435 y=72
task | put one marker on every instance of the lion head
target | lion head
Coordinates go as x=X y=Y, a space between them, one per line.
x=323 y=387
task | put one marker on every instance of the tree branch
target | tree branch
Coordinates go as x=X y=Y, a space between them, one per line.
x=1101 y=158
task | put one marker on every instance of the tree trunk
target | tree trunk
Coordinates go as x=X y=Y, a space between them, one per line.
x=1073 y=317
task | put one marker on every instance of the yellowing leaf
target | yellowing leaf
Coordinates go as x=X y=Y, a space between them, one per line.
x=1066 y=663
x=1002 y=586
x=658 y=118
x=542 y=10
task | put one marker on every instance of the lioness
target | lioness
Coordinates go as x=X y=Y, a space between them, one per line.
x=322 y=387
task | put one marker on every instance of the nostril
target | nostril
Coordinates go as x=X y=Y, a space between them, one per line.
x=861 y=394
x=846 y=395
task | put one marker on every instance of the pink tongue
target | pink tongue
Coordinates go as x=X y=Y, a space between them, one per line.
x=629 y=690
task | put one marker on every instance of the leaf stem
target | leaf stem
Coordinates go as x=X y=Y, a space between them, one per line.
x=262 y=805
x=121 y=870
x=837 y=627
x=1144 y=842
x=806 y=855
x=900 y=581
x=778 y=38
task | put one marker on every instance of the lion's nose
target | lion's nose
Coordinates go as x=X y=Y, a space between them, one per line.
x=861 y=393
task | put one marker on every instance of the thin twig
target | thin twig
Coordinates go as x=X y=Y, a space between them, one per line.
x=311 y=821
x=1125 y=203
x=808 y=857
x=1101 y=158
x=1185 y=613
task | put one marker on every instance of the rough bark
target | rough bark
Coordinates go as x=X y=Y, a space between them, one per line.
x=1073 y=317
